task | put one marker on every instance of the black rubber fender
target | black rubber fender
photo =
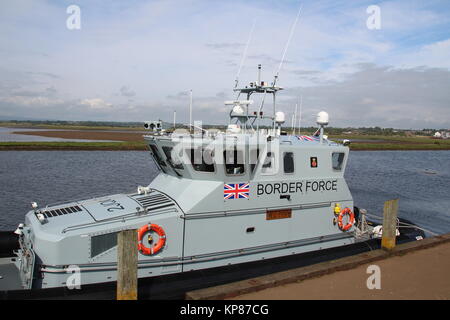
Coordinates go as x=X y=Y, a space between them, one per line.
x=356 y=213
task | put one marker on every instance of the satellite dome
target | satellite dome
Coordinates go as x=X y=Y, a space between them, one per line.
x=280 y=117
x=322 y=118
x=238 y=110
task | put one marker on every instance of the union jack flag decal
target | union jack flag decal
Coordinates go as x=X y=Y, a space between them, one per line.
x=308 y=138
x=236 y=191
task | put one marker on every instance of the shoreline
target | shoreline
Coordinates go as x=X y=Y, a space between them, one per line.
x=141 y=146
x=133 y=141
x=73 y=146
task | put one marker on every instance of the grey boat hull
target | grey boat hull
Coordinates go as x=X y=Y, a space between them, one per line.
x=175 y=286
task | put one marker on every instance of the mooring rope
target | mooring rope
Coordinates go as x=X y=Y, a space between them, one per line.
x=404 y=224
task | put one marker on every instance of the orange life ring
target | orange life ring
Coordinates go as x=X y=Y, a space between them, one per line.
x=350 y=222
x=156 y=248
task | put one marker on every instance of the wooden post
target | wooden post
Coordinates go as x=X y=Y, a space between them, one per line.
x=389 y=224
x=127 y=257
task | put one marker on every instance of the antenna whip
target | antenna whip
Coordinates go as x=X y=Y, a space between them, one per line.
x=245 y=54
x=287 y=44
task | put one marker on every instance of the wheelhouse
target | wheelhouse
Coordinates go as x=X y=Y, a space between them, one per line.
x=247 y=157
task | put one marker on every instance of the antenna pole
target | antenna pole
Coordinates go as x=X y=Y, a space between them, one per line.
x=244 y=55
x=190 y=110
x=259 y=75
x=174 y=118
x=274 y=110
x=294 y=122
x=287 y=45
x=300 y=117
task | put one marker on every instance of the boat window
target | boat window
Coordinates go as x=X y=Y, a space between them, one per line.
x=102 y=243
x=168 y=152
x=338 y=160
x=288 y=162
x=234 y=162
x=157 y=156
x=201 y=159
x=269 y=163
x=254 y=156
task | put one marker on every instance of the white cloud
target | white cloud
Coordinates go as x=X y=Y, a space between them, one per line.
x=127 y=92
x=162 y=48
x=436 y=54
x=96 y=103
x=31 y=101
x=381 y=96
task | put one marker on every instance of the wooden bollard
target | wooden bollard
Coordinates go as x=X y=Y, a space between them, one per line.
x=389 y=224
x=127 y=258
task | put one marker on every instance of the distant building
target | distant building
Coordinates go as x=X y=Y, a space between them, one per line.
x=442 y=135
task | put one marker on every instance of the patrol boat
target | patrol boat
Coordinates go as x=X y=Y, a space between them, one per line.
x=251 y=193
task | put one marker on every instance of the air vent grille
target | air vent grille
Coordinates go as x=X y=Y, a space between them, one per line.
x=61 y=211
x=155 y=201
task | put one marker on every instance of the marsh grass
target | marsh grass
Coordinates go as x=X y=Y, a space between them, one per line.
x=42 y=145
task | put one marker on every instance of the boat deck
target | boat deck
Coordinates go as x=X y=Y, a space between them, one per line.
x=9 y=275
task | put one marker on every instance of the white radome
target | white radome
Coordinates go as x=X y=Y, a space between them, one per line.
x=280 y=117
x=322 y=118
x=237 y=109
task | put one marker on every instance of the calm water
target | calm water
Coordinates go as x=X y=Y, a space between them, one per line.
x=420 y=179
x=53 y=176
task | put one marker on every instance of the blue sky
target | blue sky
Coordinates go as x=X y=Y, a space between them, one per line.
x=136 y=60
